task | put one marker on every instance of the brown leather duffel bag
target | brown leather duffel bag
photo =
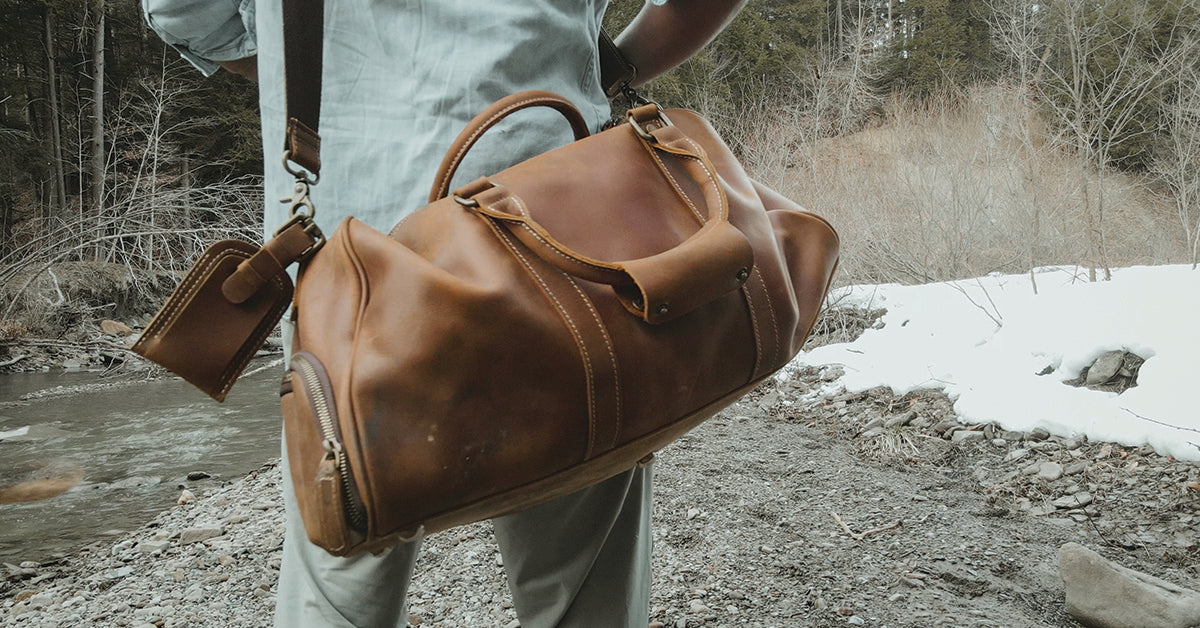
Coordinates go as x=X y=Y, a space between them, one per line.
x=536 y=332
x=482 y=358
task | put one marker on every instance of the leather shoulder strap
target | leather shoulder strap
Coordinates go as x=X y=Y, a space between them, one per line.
x=303 y=23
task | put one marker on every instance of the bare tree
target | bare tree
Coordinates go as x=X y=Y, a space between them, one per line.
x=1060 y=55
x=60 y=184
x=98 y=152
x=1178 y=163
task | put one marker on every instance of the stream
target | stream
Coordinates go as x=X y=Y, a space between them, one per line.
x=136 y=443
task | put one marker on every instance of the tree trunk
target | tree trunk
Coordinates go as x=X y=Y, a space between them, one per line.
x=5 y=226
x=97 y=165
x=60 y=183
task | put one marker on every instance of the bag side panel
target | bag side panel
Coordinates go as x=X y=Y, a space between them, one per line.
x=465 y=379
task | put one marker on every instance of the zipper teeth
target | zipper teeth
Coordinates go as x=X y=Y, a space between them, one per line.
x=325 y=418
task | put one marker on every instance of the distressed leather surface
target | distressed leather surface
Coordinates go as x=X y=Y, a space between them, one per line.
x=475 y=374
x=205 y=337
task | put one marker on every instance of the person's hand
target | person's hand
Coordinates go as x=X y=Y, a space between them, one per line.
x=247 y=67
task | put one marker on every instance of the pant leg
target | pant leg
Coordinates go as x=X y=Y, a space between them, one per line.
x=317 y=589
x=583 y=560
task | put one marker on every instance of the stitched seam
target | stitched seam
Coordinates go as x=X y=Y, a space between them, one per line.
x=754 y=328
x=250 y=347
x=587 y=360
x=771 y=311
x=391 y=234
x=188 y=291
x=612 y=356
x=675 y=184
x=487 y=124
x=525 y=212
x=711 y=175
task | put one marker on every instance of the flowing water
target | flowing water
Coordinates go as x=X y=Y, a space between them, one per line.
x=136 y=443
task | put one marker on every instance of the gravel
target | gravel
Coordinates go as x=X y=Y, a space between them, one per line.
x=794 y=507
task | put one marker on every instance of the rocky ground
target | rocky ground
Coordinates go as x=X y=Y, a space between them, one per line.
x=801 y=505
x=788 y=509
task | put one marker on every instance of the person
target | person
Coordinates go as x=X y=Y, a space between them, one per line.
x=400 y=80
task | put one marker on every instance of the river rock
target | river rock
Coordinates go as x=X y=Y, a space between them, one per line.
x=149 y=547
x=115 y=328
x=1078 y=500
x=1101 y=594
x=196 y=535
x=118 y=573
x=1104 y=368
x=1050 y=471
x=961 y=436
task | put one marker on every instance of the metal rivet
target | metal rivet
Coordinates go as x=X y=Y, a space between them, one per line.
x=743 y=275
x=662 y=309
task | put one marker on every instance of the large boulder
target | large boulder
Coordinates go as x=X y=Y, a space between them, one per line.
x=1101 y=594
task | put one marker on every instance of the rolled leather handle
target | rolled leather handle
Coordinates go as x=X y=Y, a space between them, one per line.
x=492 y=116
x=715 y=260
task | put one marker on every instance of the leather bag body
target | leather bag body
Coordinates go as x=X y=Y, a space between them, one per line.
x=541 y=329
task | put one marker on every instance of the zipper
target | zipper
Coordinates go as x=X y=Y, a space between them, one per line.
x=308 y=367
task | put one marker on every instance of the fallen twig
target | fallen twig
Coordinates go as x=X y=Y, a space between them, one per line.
x=1163 y=423
x=857 y=536
x=84 y=344
x=14 y=360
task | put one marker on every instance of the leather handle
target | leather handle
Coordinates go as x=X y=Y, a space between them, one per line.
x=492 y=116
x=715 y=260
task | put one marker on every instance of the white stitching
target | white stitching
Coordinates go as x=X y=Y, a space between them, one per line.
x=612 y=356
x=251 y=346
x=712 y=176
x=770 y=310
x=525 y=212
x=675 y=184
x=188 y=290
x=754 y=328
x=587 y=360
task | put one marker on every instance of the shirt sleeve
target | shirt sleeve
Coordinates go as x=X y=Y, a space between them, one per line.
x=204 y=31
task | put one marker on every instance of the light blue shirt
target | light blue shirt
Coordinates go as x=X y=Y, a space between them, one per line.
x=401 y=78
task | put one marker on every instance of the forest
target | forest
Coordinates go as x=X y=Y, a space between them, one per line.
x=945 y=139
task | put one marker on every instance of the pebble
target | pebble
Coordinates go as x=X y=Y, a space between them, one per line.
x=121 y=572
x=962 y=436
x=1050 y=471
x=1078 y=500
x=149 y=547
x=1016 y=454
x=196 y=535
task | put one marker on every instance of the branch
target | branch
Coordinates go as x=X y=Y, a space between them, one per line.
x=997 y=318
x=1165 y=424
x=1162 y=423
x=14 y=360
x=857 y=536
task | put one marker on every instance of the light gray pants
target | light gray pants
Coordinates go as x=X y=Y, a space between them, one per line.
x=580 y=560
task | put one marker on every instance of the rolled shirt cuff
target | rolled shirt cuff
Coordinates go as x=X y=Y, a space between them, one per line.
x=204 y=32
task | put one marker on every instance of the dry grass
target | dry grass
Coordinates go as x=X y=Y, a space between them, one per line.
x=942 y=191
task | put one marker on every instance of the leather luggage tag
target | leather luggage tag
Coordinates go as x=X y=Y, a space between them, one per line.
x=205 y=332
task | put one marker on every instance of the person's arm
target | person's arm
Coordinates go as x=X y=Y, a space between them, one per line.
x=664 y=36
x=247 y=67
x=207 y=34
